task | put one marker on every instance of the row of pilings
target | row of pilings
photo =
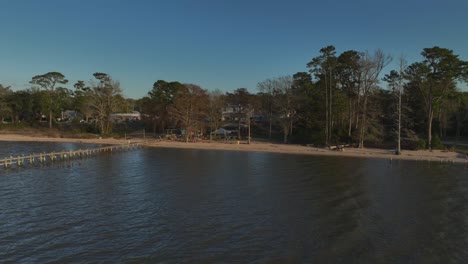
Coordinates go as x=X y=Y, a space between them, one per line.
x=42 y=158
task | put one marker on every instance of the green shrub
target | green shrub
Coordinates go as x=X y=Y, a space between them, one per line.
x=436 y=142
x=421 y=144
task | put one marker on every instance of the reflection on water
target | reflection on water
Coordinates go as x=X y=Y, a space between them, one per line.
x=172 y=205
x=23 y=148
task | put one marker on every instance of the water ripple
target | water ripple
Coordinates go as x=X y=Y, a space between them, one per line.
x=185 y=206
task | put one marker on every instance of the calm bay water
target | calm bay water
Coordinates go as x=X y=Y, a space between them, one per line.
x=186 y=206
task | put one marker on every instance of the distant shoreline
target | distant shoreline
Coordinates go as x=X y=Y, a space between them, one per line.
x=421 y=155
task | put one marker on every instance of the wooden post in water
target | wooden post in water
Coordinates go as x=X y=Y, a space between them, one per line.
x=63 y=155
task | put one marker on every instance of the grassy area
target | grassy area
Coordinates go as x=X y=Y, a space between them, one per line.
x=44 y=131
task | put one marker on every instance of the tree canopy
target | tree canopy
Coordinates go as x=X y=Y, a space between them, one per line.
x=338 y=99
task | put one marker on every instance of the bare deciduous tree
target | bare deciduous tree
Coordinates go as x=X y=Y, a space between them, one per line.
x=284 y=104
x=189 y=107
x=370 y=67
x=103 y=100
x=216 y=104
x=267 y=87
x=282 y=107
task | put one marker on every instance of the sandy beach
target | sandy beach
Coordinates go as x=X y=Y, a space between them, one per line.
x=424 y=155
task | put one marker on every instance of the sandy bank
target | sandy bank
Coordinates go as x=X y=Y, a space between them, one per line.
x=436 y=155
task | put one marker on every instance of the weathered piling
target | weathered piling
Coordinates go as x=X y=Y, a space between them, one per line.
x=20 y=161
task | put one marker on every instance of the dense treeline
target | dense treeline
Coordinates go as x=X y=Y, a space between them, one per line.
x=46 y=100
x=340 y=98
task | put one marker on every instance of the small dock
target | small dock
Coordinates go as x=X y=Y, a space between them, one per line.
x=42 y=158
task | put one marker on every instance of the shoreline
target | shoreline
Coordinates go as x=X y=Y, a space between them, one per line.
x=416 y=155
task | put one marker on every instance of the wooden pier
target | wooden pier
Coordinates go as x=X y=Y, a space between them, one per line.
x=42 y=158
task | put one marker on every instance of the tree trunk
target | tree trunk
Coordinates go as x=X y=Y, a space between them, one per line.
x=429 y=127
x=350 y=118
x=357 y=107
x=248 y=136
x=444 y=134
x=457 y=133
x=398 y=152
x=326 y=112
x=363 y=123
x=239 y=129
x=50 y=119
x=270 y=117
x=211 y=130
x=187 y=124
x=441 y=122
x=330 y=126
x=430 y=116
x=101 y=123
x=291 y=127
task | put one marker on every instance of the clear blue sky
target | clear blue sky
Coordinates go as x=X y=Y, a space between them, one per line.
x=217 y=44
